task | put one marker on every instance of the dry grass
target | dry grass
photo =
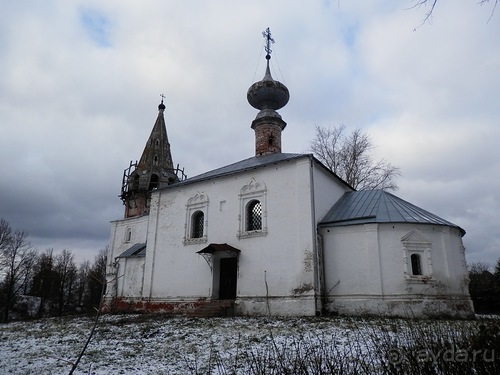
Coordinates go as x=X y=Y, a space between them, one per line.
x=139 y=344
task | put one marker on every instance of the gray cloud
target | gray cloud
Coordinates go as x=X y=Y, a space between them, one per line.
x=81 y=81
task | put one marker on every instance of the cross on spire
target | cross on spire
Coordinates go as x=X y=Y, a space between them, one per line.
x=162 y=107
x=267 y=35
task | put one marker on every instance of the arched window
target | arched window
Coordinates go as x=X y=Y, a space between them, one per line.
x=128 y=235
x=270 y=140
x=155 y=160
x=416 y=265
x=197 y=224
x=253 y=210
x=254 y=215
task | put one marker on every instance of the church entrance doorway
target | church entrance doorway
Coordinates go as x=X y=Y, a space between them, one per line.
x=227 y=278
x=223 y=261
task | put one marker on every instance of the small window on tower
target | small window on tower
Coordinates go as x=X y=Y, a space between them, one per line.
x=128 y=235
x=153 y=183
x=135 y=182
x=157 y=142
x=155 y=159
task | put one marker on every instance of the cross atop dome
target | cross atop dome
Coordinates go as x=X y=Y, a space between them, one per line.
x=267 y=34
x=268 y=95
x=162 y=107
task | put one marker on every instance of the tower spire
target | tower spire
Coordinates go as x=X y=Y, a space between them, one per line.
x=154 y=170
x=268 y=96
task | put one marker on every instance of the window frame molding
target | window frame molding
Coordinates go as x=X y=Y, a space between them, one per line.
x=416 y=242
x=198 y=202
x=254 y=190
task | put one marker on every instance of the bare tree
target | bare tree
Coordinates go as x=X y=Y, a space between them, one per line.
x=66 y=269
x=432 y=5
x=478 y=267
x=17 y=258
x=97 y=277
x=82 y=282
x=45 y=281
x=348 y=156
x=484 y=288
x=5 y=233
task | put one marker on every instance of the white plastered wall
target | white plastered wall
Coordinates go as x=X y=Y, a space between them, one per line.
x=275 y=269
x=365 y=271
x=121 y=282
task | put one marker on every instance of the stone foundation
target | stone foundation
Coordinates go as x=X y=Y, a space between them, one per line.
x=403 y=306
x=198 y=308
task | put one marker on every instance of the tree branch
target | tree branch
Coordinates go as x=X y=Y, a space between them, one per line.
x=349 y=158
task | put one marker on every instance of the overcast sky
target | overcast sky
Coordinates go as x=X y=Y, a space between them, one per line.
x=80 y=82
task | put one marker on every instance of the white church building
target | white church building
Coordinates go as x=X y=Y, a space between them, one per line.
x=276 y=234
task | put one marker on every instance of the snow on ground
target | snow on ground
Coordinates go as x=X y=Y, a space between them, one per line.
x=136 y=344
x=141 y=344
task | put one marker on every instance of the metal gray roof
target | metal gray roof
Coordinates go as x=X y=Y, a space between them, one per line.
x=253 y=163
x=246 y=164
x=138 y=250
x=378 y=206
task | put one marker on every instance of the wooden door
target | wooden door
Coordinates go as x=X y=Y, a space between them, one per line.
x=227 y=279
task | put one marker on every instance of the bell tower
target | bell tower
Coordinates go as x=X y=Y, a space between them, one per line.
x=268 y=96
x=154 y=170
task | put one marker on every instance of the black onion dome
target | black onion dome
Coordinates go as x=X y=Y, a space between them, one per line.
x=161 y=106
x=268 y=93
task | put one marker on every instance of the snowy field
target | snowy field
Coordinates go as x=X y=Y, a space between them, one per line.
x=138 y=344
